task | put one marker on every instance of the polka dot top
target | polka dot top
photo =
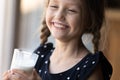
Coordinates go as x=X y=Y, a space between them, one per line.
x=81 y=71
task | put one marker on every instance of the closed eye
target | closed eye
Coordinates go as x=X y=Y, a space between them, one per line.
x=72 y=11
x=53 y=6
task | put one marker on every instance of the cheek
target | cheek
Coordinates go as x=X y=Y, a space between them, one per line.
x=48 y=18
x=75 y=22
x=76 y=25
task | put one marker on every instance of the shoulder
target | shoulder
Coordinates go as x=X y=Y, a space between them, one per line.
x=98 y=65
x=42 y=49
x=96 y=74
x=105 y=66
x=44 y=52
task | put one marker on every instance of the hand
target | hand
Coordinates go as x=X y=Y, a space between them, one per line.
x=20 y=75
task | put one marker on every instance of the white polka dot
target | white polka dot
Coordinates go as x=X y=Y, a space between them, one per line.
x=38 y=52
x=86 y=61
x=45 y=72
x=68 y=78
x=78 y=68
x=61 y=74
x=84 y=66
x=46 y=62
x=51 y=50
x=109 y=75
x=42 y=56
x=40 y=71
x=93 y=62
x=45 y=46
x=78 y=75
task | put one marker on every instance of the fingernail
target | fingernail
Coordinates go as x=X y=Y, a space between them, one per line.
x=12 y=72
x=8 y=71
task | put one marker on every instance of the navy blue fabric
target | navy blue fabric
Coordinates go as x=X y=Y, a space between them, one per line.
x=81 y=71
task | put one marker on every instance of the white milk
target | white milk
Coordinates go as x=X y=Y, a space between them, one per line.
x=27 y=68
x=23 y=60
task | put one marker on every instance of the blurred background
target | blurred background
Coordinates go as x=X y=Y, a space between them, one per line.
x=19 y=28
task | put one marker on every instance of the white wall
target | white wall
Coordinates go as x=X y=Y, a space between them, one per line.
x=2 y=15
x=7 y=17
x=2 y=19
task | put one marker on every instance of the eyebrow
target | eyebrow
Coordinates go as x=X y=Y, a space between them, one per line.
x=76 y=4
x=53 y=1
x=70 y=3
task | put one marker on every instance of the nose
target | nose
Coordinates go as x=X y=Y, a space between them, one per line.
x=60 y=14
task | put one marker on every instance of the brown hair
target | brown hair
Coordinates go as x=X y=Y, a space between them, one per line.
x=92 y=16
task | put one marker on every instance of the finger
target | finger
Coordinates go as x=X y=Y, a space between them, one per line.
x=6 y=73
x=20 y=72
x=17 y=76
x=34 y=71
x=35 y=75
x=5 y=78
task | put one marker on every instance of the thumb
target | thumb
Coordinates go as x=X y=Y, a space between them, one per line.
x=36 y=75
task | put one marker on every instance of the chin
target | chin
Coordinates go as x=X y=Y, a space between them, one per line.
x=59 y=37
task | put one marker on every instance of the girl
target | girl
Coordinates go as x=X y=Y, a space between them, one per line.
x=67 y=21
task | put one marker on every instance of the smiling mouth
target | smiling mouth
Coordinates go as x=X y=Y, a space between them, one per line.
x=60 y=25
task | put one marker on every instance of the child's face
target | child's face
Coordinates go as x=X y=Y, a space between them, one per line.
x=63 y=19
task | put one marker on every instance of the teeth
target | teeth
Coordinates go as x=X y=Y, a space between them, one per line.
x=59 y=25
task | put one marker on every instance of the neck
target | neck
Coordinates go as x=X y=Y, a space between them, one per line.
x=69 y=49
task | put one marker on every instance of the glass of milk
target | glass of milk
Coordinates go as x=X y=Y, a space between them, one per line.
x=23 y=60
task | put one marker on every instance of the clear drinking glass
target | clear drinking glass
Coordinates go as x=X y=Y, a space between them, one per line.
x=23 y=60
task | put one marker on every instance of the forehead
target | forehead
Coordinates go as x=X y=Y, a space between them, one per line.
x=66 y=2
